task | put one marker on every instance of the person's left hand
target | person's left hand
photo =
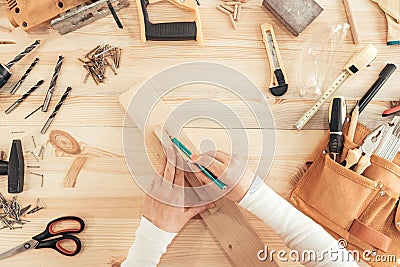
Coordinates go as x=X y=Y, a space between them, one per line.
x=167 y=185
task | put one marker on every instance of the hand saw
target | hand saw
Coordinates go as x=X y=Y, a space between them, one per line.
x=64 y=15
x=170 y=31
x=278 y=85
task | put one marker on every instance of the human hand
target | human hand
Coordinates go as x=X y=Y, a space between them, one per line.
x=230 y=169
x=168 y=185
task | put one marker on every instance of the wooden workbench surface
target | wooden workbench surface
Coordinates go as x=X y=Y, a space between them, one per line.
x=105 y=195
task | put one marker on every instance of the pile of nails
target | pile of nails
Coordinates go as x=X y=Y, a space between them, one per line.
x=233 y=9
x=11 y=212
x=98 y=59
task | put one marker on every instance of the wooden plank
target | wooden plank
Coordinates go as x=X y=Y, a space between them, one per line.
x=238 y=240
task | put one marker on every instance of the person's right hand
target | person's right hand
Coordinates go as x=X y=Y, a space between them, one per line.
x=230 y=169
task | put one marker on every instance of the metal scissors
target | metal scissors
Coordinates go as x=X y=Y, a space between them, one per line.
x=45 y=240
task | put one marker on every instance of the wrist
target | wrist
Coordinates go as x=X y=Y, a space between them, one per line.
x=251 y=194
x=161 y=225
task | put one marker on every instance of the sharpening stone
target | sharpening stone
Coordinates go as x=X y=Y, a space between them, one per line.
x=295 y=15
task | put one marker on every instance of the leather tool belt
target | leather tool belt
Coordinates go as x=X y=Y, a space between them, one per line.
x=362 y=209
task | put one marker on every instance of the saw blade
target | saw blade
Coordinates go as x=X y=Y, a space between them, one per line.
x=85 y=14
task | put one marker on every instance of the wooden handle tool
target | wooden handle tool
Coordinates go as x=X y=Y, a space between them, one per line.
x=353 y=123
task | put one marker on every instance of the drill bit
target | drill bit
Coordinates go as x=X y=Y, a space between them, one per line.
x=56 y=109
x=24 y=53
x=52 y=84
x=33 y=112
x=19 y=101
x=19 y=83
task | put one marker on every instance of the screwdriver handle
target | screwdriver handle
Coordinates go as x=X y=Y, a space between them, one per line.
x=362 y=59
x=337 y=117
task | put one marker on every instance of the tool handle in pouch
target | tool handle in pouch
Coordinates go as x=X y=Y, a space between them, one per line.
x=278 y=85
x=363 y=164
x=353 y=156
x=362 y=59
x=337 y=116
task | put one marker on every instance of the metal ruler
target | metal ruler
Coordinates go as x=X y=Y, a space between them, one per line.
x=358 y=62
x=390 y=144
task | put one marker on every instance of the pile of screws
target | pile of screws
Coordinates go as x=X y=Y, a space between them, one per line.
x=233 y=9
x=11 y=212
x=98 y=59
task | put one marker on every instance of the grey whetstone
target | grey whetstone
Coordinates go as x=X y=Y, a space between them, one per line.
x=295 y=15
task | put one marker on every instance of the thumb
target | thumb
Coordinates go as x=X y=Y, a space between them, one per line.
x=190 y=213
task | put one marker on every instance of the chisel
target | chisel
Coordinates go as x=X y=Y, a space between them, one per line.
x=337 y=117
x=358 y=62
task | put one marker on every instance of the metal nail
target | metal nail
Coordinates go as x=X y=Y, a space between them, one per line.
x=33 y=140
x=35 y=156
x=41 y=152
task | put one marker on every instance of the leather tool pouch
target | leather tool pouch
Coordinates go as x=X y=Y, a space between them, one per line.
x=362 y=209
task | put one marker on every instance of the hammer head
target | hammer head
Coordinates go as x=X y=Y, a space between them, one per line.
x=16 y=168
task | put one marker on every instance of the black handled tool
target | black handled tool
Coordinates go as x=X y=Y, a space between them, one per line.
x=5 y=72
x=55 y=236
x=337 y=117
x=14 y=168
x=384 y=75
x=170 y=31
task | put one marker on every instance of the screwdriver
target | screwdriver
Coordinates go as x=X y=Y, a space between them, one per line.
x=337 y=117
x=5 y=72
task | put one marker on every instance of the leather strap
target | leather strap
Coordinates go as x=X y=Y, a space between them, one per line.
x=370 y=236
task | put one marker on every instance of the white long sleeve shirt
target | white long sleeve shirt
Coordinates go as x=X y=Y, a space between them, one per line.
x=297 y=231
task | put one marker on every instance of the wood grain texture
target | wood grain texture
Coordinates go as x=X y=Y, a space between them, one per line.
x=105 y=193
x=239 y=241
